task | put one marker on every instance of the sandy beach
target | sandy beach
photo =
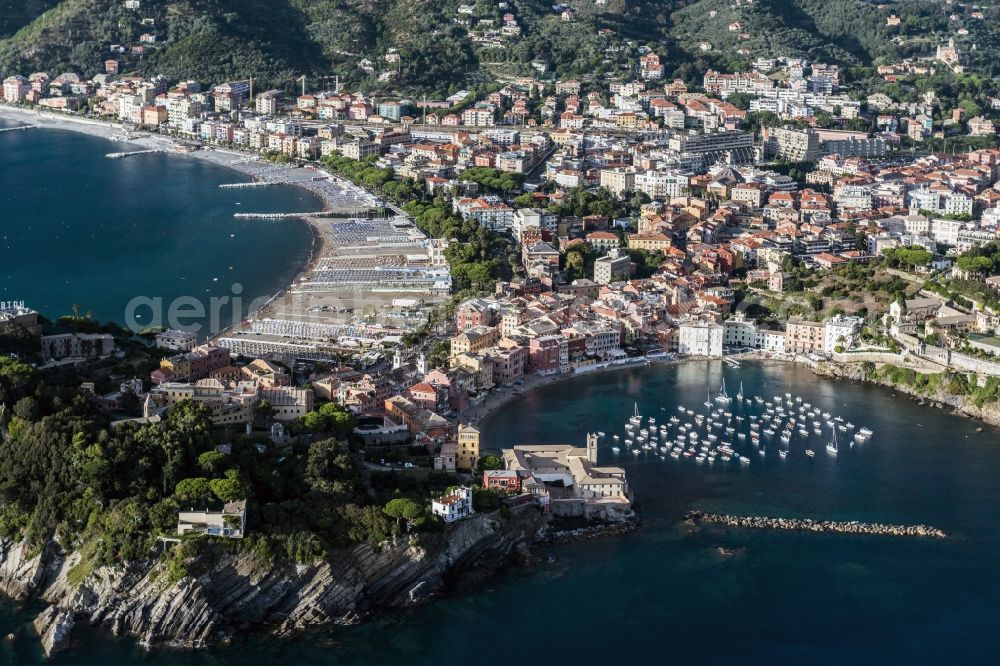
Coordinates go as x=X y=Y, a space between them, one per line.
x=336 y=194
x=499 y=397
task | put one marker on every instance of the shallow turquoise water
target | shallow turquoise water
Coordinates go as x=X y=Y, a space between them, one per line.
x=664 y=593
x=78 y=228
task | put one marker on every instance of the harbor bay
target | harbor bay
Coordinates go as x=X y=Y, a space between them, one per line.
x=153 y=226
x=708 y=593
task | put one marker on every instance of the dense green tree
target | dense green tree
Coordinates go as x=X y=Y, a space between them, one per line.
x=330 y=468
x=405 y=510
x=28 y=409
x=490 y=462
x=211 y=462
x=230 y=488
x=194 y=491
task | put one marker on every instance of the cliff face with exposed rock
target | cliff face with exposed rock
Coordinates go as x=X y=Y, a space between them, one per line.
x=233 y=593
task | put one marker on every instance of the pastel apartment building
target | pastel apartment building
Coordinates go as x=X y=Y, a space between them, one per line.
x=474 y=339
x=805 y=337
x=15 y=89
x=196 y=364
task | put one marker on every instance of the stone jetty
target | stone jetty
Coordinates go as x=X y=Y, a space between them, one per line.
x=118 y=156
x=282 y=216
x=255 y=183
x=809 y=525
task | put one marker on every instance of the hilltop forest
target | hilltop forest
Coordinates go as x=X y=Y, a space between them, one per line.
x=439 y=46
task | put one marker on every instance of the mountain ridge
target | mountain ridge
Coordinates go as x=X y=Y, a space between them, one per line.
x=441 y=45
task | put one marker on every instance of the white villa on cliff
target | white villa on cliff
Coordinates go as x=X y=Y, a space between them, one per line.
x=229 y=523
x=454 y=506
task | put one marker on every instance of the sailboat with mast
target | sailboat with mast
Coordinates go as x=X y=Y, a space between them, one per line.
x=739 y=396
x=636 y=418
x=831 y=446
x=723 y=397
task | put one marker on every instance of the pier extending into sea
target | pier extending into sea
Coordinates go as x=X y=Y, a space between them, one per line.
x=256 y=183
x=117 y=156
x=282 y=216
x=19 y=127
x=809 y=525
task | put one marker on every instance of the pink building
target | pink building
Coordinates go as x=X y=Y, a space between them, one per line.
x=423 y=394
x=508 y=363
x=15 y=88
x=546 y=353
x=359 y=111
x=475 y=312
x=504 y=480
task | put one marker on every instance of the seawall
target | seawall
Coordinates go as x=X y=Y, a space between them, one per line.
x=810 y=525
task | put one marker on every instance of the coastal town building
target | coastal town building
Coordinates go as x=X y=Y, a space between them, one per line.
x=454 y=506
x=229 y=523
x=198 y=363
x=805 y=337
x=697 y=337
x=615 y=265
x=174 y=340
x=503 y=480
x=15 y=314
x=474 y=339
x=840 y=332
x=228 y=404
x=467 y=451
x=76 y=346
x=567 y=480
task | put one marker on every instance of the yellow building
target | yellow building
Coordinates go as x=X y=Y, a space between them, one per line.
x=652 y=242
x=468 y=448
x=474 y=339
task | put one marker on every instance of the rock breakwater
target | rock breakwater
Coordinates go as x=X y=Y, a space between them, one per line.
x=809 y=525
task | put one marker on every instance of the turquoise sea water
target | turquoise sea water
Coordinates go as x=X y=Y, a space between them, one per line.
x=664 y=593
x=78 y=228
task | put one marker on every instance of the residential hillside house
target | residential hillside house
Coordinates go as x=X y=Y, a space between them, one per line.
x=503 y=480
x=454 y=506
x=229 y=523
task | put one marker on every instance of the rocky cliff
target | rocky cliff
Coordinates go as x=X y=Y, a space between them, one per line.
x=959 y=404
x=235 y=593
